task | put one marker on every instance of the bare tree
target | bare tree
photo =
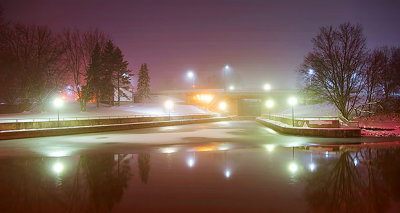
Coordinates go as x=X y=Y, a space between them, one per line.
x=388 y=70
x=375 y=65
x=78 y=48
x=338 y=61
x=30 y=63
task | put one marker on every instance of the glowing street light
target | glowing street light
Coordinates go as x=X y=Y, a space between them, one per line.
x=267 y=87
x=227 y=173
x=222 y=106
x=190 y=162
x=311 y=71
x=292 y=102
x=169 y=105
x=190 y=75
x=293 y=167
x=312 y=167
x=270 y=147
x=58 y=103
x=226 y=69
x=269 y=104
x=58 y=168
x=231 y=87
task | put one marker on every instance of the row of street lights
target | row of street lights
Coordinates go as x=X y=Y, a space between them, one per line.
x=292 y=101
x=191 y=75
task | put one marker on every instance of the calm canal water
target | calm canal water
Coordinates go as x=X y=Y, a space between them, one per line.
x=206 y=177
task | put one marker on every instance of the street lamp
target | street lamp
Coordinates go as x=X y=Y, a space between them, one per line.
x=58 y=102
x=267 y=87
x=311 y=71
x=231 y=87
x=169 y=105
x=222 y=106
x=226 y=68
x=292 y=102
x=269 y=104
x=190 y=75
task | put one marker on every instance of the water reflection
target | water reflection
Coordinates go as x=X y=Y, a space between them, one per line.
x=352 y=178
x=89 y=183
x=144 y=166
x=355 y=181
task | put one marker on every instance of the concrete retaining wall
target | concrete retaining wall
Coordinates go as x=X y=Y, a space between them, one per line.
x=325 y=123
x=319 y=132
x=100 y=128
x=92 y=122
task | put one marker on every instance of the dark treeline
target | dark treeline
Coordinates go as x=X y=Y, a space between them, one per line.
x=357 y=181
x=342 y=70
x=36 y=64
x=87 y=183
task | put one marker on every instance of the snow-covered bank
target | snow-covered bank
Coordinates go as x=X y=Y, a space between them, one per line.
x=380 y=125
x=316 y=110
x=72 y=110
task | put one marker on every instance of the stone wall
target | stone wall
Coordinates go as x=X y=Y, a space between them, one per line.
x=319 y=132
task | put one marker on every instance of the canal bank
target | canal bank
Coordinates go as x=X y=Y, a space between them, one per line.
x=147 y=123
x=306 y=131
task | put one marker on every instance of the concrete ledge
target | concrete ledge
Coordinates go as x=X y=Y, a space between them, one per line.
x=319 y=132
x=93 y=122
x=31 y=133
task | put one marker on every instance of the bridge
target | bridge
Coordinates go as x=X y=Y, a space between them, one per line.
x=236 y=102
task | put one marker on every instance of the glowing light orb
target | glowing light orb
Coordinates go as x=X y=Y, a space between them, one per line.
x=58 y=102
x=169 y=104
x=267 y=87
x=269 y=104
x=227 y=173
x=293 y=167
x=312 y=167
x=58 y=168
x=190 y=162
x=292 y=101
x=222 y=106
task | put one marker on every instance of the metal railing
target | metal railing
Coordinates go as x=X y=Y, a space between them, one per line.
x=18 y=120
x=304 y=117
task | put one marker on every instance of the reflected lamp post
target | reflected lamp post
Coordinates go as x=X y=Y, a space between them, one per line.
x=292 y=102
x=58 y=102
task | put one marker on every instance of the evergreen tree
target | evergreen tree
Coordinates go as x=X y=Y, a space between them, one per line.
x=107 y=87
x=94 y=73
x=122 y=75
x=143 y=87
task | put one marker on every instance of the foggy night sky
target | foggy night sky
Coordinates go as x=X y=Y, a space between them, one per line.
x=262 y=40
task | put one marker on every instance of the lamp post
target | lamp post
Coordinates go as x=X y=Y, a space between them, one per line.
x=269 y=104
x=292 y=102
x=190 y=75
x=58 y=102
x=226 y=68
x=169 y=105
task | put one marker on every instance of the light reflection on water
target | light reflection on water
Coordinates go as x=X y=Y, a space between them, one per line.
x=311 y=178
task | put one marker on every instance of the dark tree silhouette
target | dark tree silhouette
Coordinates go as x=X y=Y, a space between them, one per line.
x=338 y=61
x=144 y=166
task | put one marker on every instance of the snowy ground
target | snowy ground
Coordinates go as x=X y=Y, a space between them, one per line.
x=380 y=125
x=316 y=110
x=72 y=111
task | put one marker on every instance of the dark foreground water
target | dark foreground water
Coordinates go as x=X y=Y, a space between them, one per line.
x=205 y=177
